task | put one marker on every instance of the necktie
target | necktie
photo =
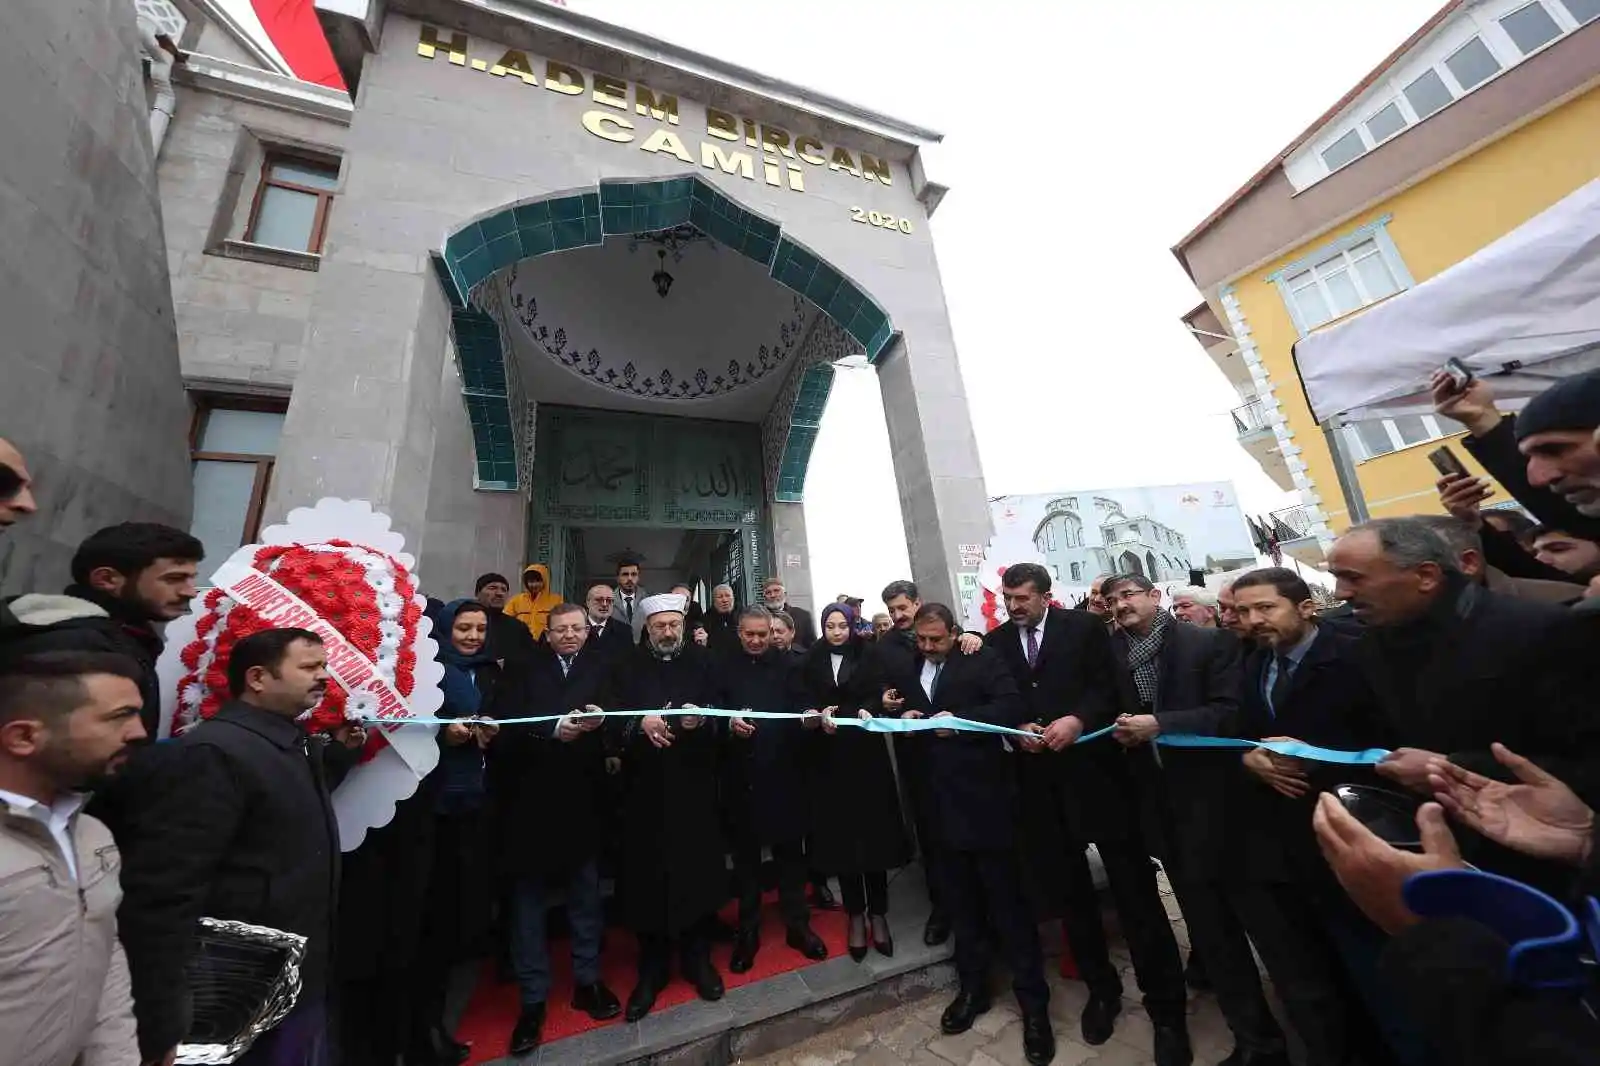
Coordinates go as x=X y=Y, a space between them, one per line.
x=628 y=603
x=566 y=665
x=1033 y=645
x=1280 y=686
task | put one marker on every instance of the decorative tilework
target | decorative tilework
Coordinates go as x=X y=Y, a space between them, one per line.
x=790 y=427
x=482 y=249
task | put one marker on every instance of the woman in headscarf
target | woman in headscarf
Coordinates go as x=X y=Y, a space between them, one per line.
x=461 y=889
x=532 y=605
x=857 y=829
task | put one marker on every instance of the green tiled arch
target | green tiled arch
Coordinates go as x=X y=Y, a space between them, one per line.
x=583 y=219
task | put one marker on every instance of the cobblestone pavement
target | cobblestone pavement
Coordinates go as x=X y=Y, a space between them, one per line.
x=910 y=1036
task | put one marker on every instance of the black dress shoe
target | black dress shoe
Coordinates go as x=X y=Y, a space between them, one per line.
x=856 y=938
x=530 y=1027
x=1100 y=1019
x=449 y=1048
x=597 y=1001
x=706 y=980
x=643 y=998
x=880 y=936
x=822 y=897
x=1172 y=1045
x=744 y=951
x=1038 y=1039
x=806 y=942
x=937 y=931
x=1244 y=1057
x=962 y=1012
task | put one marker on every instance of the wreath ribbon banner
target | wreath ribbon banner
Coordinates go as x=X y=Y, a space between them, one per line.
x=347 y=665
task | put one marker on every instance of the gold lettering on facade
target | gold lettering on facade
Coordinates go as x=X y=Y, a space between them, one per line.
x=664 y=140
x=778 y=151
x=560 y=78
x=610 y=91
x=429 y=45
x=663 y=108
x=721 y=124
x=776 y=140
x=875 y=169
x=842 y=161
x=608 y=127
x=515 y=62
x=712 y=157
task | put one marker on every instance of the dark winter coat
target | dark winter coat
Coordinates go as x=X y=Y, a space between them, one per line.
x=237 y=825
x=857 y=824
x=767 y=775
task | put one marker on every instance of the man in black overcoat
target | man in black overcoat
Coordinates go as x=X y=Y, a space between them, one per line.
x=673 y=878
x=547 y=779
x=1186 y=680
x=1299 y=683
x=608 y=637
x=238 y=825
x=1072 y=796
x=970 y=795
x=764 y=797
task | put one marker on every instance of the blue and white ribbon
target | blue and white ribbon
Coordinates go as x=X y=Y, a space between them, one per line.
x=1293 y=748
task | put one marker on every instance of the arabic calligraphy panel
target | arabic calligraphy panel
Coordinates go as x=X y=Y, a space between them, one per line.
x=595 y=469
x=713 y=474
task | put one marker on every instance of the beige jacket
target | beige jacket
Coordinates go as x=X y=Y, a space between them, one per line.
x=64 y=995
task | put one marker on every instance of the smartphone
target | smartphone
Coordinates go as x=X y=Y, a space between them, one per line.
x=1444 y=460
x=1461 y=375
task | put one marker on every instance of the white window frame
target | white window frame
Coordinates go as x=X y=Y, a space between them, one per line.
x=1358 y=446
x=1376 y=231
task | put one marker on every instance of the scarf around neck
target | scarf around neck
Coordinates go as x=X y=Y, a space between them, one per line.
x=1142 y=653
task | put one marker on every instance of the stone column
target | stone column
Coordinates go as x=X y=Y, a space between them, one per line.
x=789 y=542
x=93 y=394
x=936 y=467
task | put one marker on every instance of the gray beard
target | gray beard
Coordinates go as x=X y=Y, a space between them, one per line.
x=663 y=651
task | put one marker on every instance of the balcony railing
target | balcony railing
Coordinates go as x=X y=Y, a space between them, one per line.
x=1291 y=523
x=1251 y=418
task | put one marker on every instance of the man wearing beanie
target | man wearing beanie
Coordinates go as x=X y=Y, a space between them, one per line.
x=1545 y=456
x=509 y=639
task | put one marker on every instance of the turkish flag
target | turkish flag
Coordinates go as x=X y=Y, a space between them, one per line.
x=293 y=27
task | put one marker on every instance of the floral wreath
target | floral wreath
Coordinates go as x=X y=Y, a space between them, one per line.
x=366 y=594
x=340 y=559
x=985 y=607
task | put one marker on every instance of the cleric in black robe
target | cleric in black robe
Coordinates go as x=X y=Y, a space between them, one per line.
x=766 y=779
x=673 y=878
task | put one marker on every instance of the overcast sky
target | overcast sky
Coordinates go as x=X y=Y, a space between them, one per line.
x=1140 y=119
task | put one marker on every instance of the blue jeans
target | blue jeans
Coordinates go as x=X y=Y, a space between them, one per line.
x=530 y=949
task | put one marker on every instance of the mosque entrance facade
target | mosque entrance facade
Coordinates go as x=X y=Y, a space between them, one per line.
x=582 y=294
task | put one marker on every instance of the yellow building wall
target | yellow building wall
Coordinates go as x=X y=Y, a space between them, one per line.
x=1434 y=224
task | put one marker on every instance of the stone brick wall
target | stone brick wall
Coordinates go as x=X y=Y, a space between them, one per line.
x=92 y=393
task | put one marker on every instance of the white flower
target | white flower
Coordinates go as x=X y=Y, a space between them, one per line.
x=381 y=580
x=391 y=632
x=360 y=705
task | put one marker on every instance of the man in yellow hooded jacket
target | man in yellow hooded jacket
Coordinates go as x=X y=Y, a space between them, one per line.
x=532 y=605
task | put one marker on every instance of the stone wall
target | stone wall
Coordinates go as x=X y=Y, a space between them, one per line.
x=92 y=393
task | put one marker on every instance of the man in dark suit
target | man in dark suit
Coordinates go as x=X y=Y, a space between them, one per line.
x=608 y=637
x=548 y=779
x=1299 y=683
x=509 y=639
x=970 y=794
x=776 y=598
x=237 y=825
x=1064 y=665
x=1186 y=680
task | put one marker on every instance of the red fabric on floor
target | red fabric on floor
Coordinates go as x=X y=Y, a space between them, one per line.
x=492 y=1012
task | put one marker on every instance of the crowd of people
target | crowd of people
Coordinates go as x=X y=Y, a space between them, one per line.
x=1459 y=648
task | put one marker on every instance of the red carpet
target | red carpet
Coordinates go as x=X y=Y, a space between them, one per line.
x=492 y=1012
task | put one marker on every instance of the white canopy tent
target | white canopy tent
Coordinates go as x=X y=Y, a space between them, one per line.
x=1523 y=311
